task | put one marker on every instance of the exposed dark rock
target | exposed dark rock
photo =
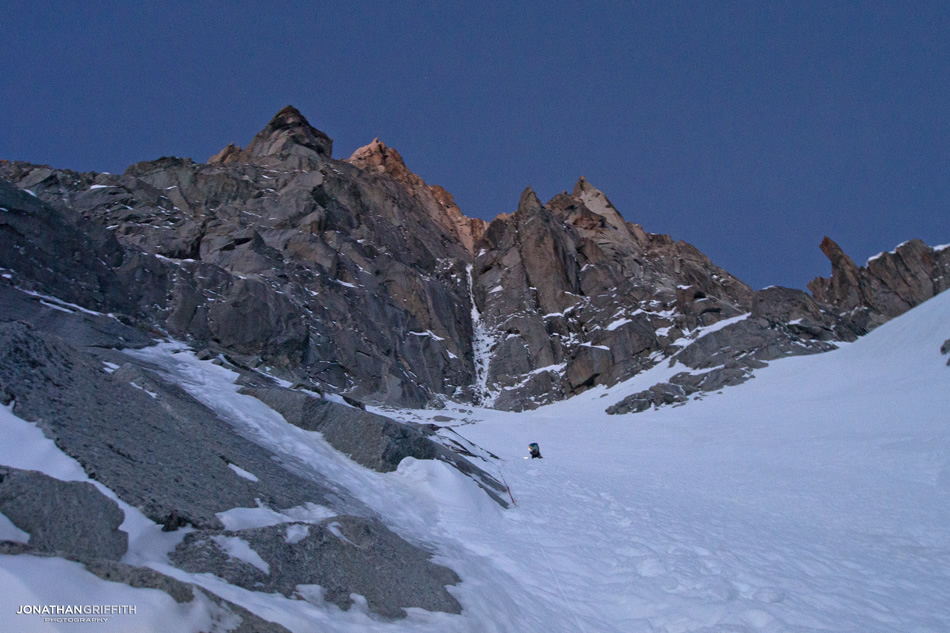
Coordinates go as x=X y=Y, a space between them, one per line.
x=288 y=141
x=371 y=440
x=887 y=286
x=82 y=329
x=153 y=444
x=727 y=356
x=343 y=555
x=55 y=251
x=66 y=517
x=657 y=395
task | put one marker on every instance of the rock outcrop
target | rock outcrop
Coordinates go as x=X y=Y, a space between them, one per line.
x=341 y=555
x=369 y=439
x=436 y=201
x=68 y=518
x=888 y=285
x=288 y=141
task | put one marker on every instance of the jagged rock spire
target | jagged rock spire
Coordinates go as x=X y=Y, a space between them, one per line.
x=596 y=202
x=843 y=290
x=288 y=138
x=377 y=157
x=528 y=201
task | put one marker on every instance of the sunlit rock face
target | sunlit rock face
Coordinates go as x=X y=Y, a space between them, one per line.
x=357 y=277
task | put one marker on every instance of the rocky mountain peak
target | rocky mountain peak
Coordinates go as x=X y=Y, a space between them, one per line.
x=597 y=202
x=358 y=277
x=529 y=201
x=378 y=157
x=287 y=140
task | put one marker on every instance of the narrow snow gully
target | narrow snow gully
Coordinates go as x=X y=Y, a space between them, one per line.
x=482 y=343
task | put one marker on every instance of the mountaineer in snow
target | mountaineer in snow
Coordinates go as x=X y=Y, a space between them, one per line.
x=535 y=450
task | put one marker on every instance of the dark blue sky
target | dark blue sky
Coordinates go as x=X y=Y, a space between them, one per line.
x=748 y=129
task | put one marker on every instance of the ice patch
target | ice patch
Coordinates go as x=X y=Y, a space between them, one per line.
x=240 y=472
x=296 y=533
x=236 y=547
x=56 y=307
x=141 y=388
x=59 y=303
x=428 y=333
x=618 y=323
x=262 y=516
x=482 y=342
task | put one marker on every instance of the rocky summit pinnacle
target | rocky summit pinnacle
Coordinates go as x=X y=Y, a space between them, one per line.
x=385 y=160
x=378 y=158
x=288 y=139
x=597 y=202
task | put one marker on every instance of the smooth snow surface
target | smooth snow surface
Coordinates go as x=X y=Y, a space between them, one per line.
x=815 y=497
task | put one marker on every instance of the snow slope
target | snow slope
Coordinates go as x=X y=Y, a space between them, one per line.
x=815 y=497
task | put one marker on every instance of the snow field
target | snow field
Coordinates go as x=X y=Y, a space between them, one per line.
x=815 y=497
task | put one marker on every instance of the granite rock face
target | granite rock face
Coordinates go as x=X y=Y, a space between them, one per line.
x=144 y=438
x=357 y=277
x=888 y=285
x=369 y=439
x=287 y=140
